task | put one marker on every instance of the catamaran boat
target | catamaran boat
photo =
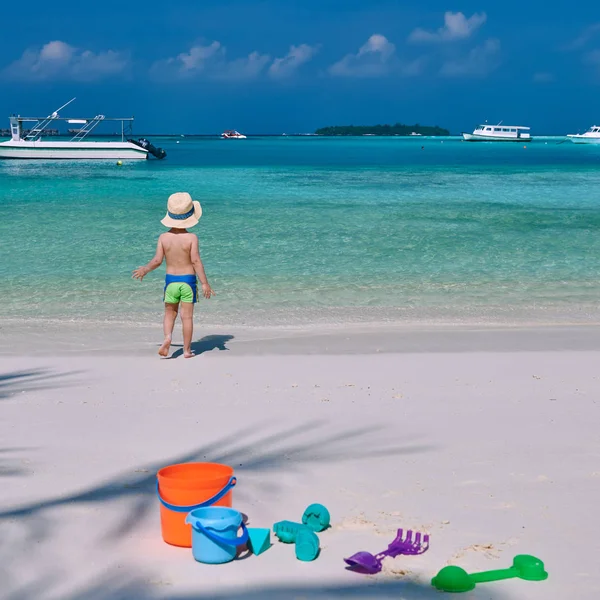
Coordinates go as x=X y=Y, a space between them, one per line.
x=231 y=134
x=591 y=136
x=32 y=145
x=498 y=133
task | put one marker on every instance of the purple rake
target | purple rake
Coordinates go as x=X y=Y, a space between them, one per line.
x=404 y=543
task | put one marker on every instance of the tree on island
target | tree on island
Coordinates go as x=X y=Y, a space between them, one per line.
x=397 y=129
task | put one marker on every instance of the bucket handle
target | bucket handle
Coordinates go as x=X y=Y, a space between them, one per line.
x=186 y=509
x=195 y=523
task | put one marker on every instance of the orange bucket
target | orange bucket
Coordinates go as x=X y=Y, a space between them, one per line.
x=185 y=487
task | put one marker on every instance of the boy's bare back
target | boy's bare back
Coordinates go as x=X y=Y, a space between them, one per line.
x=181 y=250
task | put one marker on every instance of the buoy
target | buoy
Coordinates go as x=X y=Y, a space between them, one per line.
x=119 y=163
x=524 y=147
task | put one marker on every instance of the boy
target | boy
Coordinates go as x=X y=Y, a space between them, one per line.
x=180 y=248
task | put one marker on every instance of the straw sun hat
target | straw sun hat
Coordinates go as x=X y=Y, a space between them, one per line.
x=182 y=211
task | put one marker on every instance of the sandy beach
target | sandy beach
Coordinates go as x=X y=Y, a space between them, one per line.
x=484 y=438
x=389 y=320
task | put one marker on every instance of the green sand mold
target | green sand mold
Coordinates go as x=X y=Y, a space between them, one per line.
x=456 y=580
x=259 y=540
x=307 y=545
x=316 y=517
x=287 y=531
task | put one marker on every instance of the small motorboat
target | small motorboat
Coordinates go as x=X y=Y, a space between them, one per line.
x=591 y=136
x=231 y=134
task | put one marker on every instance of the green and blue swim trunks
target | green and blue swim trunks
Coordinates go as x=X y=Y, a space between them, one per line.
x=180 y=288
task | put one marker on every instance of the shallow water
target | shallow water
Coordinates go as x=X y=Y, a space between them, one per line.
x=314 y=229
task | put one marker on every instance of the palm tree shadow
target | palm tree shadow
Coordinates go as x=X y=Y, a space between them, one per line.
x=12 y=466
x=262 y=452
x=290 y=449
x=206 y=344
x=120 y=587
x=17 y=382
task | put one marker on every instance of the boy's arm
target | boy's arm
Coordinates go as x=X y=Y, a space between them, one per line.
x=199 y=268
x=141 y=272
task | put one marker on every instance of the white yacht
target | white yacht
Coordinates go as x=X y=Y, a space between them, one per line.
x=591 y=136
x=30 y=144
x=498 y=133
x=231 y=134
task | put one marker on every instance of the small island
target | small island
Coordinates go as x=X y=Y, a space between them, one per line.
x=397 y=129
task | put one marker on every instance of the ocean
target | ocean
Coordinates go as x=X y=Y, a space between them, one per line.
x=300 y=230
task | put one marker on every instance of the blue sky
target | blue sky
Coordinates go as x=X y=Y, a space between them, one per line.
x=293 y=66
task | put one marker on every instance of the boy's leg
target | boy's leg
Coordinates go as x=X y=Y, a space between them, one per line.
x=168 y=325
x=187 y=320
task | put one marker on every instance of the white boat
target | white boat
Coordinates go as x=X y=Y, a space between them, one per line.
x=591 y=136
x=32 y=145
x=231 y=134
x=498 y=133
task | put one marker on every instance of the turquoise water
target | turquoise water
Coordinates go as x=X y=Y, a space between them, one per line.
x=324 y=230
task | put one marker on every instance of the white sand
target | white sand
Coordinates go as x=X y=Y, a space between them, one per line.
x=494 y=453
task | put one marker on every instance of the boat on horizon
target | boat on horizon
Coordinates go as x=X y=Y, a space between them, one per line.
x=591 y=136
x=232 y=134
x=31 y=144
x=498 y=133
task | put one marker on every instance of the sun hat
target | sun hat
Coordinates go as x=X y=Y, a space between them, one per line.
x=182 y=211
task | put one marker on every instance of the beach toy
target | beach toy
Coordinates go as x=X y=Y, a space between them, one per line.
x=456 y=579
x=316 y=517
x=185 y=487
x=214 y=534
x=259 y=540
x=307 y=545
x=403 y=544
x=287 y=531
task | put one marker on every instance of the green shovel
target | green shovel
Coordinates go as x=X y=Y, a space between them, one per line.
x=456 y=579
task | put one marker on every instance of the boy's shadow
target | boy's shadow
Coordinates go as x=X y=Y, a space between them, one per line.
x=205 y=344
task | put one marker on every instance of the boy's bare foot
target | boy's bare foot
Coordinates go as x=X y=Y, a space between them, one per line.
x=188 y=354
x=164 y=349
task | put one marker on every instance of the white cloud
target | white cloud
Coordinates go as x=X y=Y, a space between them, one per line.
x=377 y=44
x=211 y=62
x=413 y=67
x=584 y=47
x=593 y=58
x=587 y=35
x=296 y=57
x=373 y=59
x=543 y=77
x=197 y=57
x=56 y=52
x=480 y=61
x=456 y=27
x=248 y=67
x=59 y=60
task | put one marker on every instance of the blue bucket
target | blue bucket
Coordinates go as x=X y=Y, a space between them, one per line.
x=214 y=534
